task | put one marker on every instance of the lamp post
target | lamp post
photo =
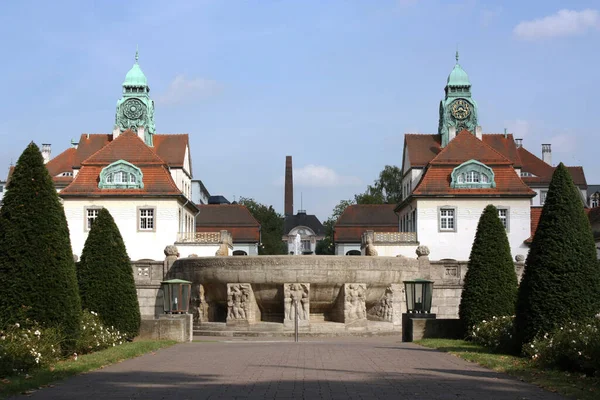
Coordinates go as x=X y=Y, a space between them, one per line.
x=418 y=296
x=176 y=296
x=419 y=293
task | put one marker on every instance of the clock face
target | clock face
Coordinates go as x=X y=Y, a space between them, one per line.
x=460 y=109
x=133 y=108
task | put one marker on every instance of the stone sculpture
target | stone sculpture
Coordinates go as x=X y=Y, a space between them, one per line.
x=199 y=304
x=354 y=304
x=422 y=251
x=520 y=258
x=237 y=301
x=171 y=251
x=223 y=250
x=370 y=247
x=384 y=310
x=296 y=292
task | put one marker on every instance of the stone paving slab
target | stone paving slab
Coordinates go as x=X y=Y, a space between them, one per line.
x=336 y=368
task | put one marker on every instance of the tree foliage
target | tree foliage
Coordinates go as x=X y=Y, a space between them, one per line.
x=490 y=287
x=271 y=226
x=105 y=277
x=37 y=270
x=387 y=189
x=561 y=280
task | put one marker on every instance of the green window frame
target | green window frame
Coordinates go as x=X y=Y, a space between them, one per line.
x=121 y=175
x=472 y=175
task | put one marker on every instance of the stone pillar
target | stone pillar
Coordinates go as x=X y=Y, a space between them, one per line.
x=389 y=308
x=199 y=304
x=350 y=306
x=299 y=292
x=241 y=305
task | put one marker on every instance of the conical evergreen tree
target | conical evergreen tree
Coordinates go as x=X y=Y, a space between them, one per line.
x=105 y=277
x=36 y=261
x=561 y=280
x=490 y=287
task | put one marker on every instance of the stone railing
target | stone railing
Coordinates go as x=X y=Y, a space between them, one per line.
x=394 y=237
x=200 y=237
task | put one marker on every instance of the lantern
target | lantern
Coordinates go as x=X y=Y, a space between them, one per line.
x=418 y=296
x=176 y=296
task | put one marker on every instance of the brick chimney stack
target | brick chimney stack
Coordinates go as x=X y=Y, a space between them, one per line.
x=46 y=151
x=289 y=187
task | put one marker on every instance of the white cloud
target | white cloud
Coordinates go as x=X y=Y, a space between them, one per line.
x=320 y=176
x=182 y=90
x=563 y=23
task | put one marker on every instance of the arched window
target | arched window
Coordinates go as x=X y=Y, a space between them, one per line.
x=353 y=253
x=595 y=200
x=472 y=174
x=121 y=175
x=239 y=253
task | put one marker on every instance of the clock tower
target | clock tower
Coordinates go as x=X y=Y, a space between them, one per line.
x=135 y=110
x=458 y=109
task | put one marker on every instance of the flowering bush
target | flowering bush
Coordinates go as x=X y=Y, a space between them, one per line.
x=27 y=346
x=572 y=347
x=496 y=334
x=95 y=336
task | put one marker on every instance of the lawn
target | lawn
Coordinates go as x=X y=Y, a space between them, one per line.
x=46 y=377
x=573 y=385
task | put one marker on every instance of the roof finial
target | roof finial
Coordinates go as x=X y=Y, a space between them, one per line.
x=137 y=53
x=457 y=54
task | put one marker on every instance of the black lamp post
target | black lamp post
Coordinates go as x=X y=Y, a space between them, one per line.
x=176 y=296
x=418 y=296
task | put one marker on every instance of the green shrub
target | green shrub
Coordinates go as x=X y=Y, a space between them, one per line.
x=572 y=347
x=490 y=287
x=561 y=280
x=95 y=336
x=26 y=346
x=496 y=334
x=36 y=261
x=105 y=277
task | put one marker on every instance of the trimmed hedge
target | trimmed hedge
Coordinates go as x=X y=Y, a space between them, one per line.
x=561 y=281
x=490 y=288
x=37 y=270
x=105 y=277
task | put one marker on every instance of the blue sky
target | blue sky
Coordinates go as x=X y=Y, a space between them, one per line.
x=335 y=84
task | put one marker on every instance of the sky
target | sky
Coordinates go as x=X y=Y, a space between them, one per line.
x=334 y=84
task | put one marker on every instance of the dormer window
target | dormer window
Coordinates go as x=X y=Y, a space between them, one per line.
x=472 y=175
x=121 y=175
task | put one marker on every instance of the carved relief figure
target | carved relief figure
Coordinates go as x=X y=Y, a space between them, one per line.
x=223 y=250
x=237 y=302
x=384 y=309
x=355 y=307
x=296 y=292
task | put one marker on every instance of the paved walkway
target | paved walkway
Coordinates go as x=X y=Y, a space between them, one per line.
x=336 y=368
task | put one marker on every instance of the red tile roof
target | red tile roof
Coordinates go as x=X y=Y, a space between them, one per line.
x=172 y=148
x=437 y=179
x=422 y=148
x=504 y=145
x=465 y=146
x=536 y=213
x=157 y=182
x=359 y=218
x=169 y=147
x=88 y=145
x=234 y=218
x=129 y=147
x=543 y=171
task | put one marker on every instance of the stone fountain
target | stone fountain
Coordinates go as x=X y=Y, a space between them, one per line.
x=360 y=294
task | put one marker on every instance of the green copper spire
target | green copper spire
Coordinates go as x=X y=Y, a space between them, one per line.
x=458 y=109
x=135 y=109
